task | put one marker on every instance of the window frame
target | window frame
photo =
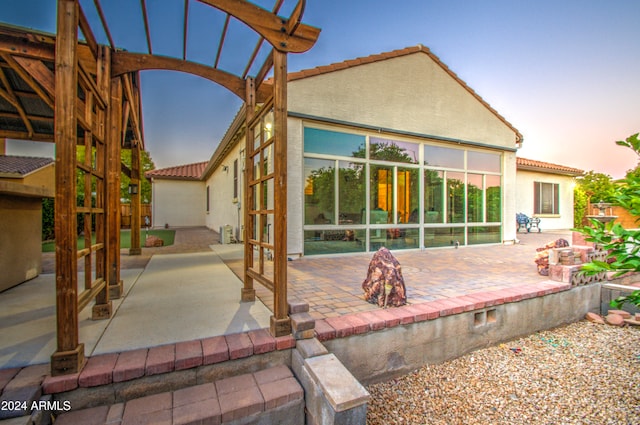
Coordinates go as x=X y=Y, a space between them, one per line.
x=538 y=207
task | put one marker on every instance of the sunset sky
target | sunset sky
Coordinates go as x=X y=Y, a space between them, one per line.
x=563 y=72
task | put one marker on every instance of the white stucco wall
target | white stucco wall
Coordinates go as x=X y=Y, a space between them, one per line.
x=524 y=198
x=410 y=93
x=295 y=185
x=509 y=187
x=178 y=203
x=224 y=209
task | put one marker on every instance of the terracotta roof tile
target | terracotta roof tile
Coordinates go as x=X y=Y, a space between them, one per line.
x=531 y=164
x=19 y=166
x=179 y=172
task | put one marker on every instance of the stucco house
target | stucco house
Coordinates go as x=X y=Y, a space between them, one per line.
x=179 y=196
x=391 y=149
x=24 y=182
x=545 y=190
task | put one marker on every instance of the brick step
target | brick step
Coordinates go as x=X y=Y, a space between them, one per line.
x=119 y=377
x=271 y=394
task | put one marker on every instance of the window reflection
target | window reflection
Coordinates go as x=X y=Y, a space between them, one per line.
x=433 y=194
x=319 y=191
x=455 y=197
x=483 y=161
x=438 y=156
x=333 y=143
x=494 y=199
x=381 y=194
x=474 y=198
x=351 y=192
x=393 y=150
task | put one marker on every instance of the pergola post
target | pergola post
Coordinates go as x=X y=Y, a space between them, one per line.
x=114 y=142
x=103 y=307
x=134 y=193
x=280 y=321
x=248 y=293
x=69 y=356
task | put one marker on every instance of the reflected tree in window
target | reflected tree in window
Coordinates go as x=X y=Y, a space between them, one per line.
x=474 y=198
x=455 y=198
x=494 y=199
x=351 y=192
x=319 y=191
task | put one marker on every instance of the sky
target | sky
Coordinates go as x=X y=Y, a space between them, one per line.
x=563 y=72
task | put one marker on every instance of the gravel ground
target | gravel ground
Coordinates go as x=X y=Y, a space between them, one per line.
x=581 y=373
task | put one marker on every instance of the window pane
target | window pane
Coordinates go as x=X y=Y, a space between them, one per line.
x=334 y=241
x=546 y=198
x=319 y=191
x=402 y=238
x=393 y=150
x=351 y=189
x=334 y=143
x=437 y=156
x=483 y=161
x=484 y=234
x=433 y=194
x=455 y=198
x=494 y=199
x=474 y=198
x=408 y=195
x=381 y=195
x=443 y=236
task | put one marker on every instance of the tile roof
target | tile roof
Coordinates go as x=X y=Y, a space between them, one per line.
x=292 y=76
x=179 y=172
x=20 y=166
x=533 y=165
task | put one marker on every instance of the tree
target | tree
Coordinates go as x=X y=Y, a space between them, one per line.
x=622 y=245
x=580 y=201
x=597 y=187
x=146 y=164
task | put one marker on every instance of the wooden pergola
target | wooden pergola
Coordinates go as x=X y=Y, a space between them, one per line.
x=77 y=92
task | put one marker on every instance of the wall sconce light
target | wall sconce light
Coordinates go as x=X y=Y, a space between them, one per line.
x=225 y=168
x=133 y=189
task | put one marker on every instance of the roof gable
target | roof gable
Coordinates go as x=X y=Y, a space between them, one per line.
x=179 y=172
x=419 y=49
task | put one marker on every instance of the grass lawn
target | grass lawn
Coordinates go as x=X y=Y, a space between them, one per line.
x=125 y=239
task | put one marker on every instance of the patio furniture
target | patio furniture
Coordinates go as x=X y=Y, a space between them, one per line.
x=527 y=223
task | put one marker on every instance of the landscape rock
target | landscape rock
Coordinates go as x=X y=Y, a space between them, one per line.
x=614 y=319
x=594 y=318
x=624 y=314
x=384 y=284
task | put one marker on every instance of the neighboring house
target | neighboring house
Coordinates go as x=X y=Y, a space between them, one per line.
x=391 y=149
x=179 y=196
x=24 y=181
x=545 y=191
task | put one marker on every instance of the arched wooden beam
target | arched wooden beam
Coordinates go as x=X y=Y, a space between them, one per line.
x=125 y=62
x=284 y=36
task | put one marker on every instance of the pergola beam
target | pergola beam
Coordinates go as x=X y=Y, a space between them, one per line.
x=126 y=62
x=270 y=26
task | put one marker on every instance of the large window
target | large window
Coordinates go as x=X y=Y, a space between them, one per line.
x=363 y=192
x=546 y=198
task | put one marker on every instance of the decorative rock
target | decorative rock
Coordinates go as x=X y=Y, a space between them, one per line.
x=153 y=241
x=594 y=318
x=614 y=319
x=624 y=314
x=632 y=322
x=384 y=284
